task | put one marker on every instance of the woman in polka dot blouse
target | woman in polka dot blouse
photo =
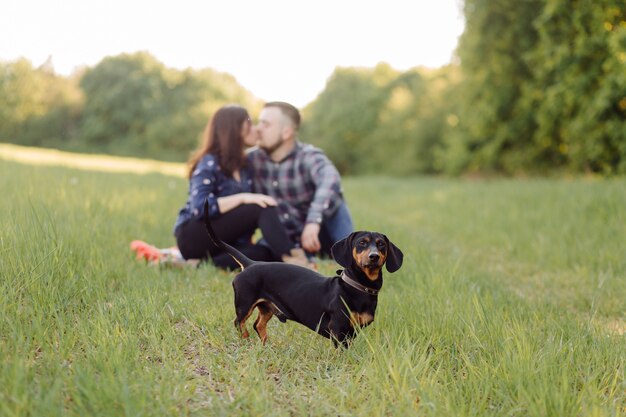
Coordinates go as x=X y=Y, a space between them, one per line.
x=218 y=172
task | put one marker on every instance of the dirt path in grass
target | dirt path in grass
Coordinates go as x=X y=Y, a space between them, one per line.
x=53 y=157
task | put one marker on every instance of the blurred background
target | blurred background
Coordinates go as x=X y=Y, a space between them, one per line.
x=475 y=87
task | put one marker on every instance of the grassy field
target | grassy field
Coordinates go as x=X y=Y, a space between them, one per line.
x=511 y=302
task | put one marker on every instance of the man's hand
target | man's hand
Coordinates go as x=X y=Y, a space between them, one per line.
x=260 y=199
x=310 y=238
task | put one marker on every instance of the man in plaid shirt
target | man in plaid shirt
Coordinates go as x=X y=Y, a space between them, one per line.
x=301 y=179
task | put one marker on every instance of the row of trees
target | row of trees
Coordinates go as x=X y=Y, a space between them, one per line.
x=373 y=120
x=125 y=105
x=540 y=86
x=544 y=86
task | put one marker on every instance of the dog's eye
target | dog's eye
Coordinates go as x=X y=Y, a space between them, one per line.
x=362 y=243
x=380 y=244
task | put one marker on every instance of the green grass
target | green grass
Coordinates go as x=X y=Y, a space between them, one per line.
x=511 y=302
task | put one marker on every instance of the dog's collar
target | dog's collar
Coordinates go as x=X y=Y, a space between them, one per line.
x=357 y=285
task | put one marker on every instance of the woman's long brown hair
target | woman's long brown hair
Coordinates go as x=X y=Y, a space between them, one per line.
x=222 y=138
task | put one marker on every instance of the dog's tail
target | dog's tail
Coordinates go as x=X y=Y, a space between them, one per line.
x=239 y=257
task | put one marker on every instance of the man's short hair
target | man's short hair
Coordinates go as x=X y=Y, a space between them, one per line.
x=291 y=112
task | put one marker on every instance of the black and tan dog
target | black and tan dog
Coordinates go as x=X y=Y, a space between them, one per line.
x=333 y=307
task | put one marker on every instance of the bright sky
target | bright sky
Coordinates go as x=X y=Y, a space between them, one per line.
x=277 y=49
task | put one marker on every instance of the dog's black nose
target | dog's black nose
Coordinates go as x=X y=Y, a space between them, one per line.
x=374 y=257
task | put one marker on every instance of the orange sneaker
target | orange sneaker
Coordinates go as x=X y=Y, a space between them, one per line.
x=145 y=251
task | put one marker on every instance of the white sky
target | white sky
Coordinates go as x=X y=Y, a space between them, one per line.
x=278 y=49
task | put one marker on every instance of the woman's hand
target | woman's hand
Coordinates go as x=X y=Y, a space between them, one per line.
x=228 y=203
x=260 y=199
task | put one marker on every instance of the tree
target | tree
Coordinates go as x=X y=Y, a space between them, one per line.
x=135 y=105
x=37 y=107
x=543 y=88
x=345 y=113
x=379 y=120
x=492 y=134
x=578 y=93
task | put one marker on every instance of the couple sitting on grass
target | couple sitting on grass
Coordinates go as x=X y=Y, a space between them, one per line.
x=288 y=190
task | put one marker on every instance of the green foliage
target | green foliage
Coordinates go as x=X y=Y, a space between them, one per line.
x=345 y=112
x=136 y=106
x=544 y=87
x=510 y=302
x=37 y=107
x=540 y=88
x=20 y=96
x=579 y=88
x=491 y=133
x=380 y=119
x=130 y=104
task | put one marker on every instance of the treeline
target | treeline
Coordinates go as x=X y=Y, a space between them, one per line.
x=379 y=120
x=130 y=104
x=539 y=87
x=544 y=86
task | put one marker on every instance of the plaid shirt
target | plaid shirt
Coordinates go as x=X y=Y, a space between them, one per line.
x=305 y=184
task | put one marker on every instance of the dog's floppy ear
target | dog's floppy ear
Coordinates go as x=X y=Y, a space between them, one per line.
x=394 y=257
x=342 y=251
